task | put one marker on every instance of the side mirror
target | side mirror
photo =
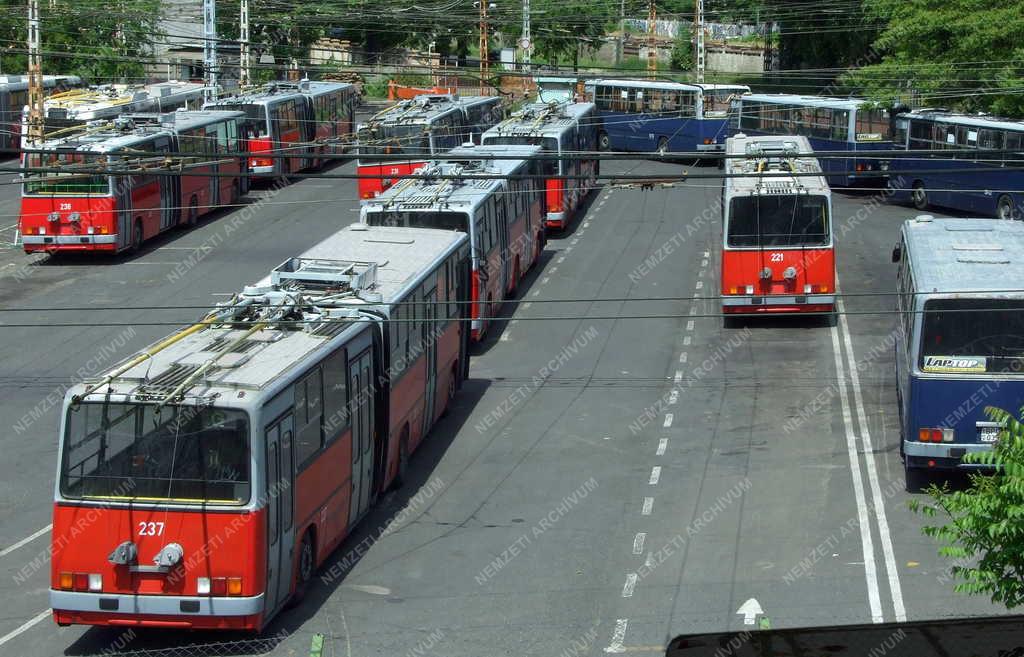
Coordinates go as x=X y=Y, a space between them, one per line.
x=897 y=253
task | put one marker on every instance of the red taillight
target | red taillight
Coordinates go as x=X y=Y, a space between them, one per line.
x=81 y=582
x=234 y=586
x=218 y=586
x=709 y=141
x=860 y=167
x=933 y=435
x=67 y=581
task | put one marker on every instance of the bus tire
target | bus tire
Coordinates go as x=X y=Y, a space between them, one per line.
x=136 y=236
x=403 y=460
x=919 y=195
x=1005 y=209
x=915 y=478
x=604 y=142
x=304 y=570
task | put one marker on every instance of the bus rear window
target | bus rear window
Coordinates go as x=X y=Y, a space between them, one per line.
x=767 y=221
x=549 y=144
x=973 y=336
x=393 y=140
x=52 y=183
x=442 y=220
x=184 y=455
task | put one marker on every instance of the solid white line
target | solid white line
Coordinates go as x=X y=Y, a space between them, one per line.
x=618 y=636
x=638 y=542
x=648 y=506
x=662 y=446
x=668 y=420
x=655 y=476
x=28 y=624
x=869 y=458
x=867 y=545
x=627 y=588
x=25 y=541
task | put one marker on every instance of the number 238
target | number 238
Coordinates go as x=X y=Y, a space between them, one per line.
x=151 y=529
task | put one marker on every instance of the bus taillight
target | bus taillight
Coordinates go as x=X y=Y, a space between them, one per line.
x=219 y=586
x=81 y=581
x=935 y=435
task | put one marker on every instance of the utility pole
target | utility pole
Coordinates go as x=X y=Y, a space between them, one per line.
x=243 y=38
x=484 y=63
x=620 y=45
x=699 y=24
x=35 y=76
x=525 y=42
x=652 y=48
x=210 y=48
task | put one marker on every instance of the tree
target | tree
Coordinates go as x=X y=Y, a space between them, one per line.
x=986 y=525
x=961 y=52
x=682 y=52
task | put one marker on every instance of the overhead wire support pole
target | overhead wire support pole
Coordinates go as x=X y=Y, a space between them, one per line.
x=35 y=76
x=699 y=25
x=210 y=48
x=525 y=42
x=620 y=44
x=243 y=39
x=484 y=49
x=652 y=48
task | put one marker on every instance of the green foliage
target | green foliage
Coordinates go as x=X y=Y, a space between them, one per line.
x=682 y=53
x=985 y=532
x=966 y=50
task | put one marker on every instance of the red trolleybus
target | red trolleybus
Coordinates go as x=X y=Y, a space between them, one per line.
x=566 y=129
x=777 y=252
x=504 y=217
x=419 y=127
x=14 y=97
x=302 y=121
x=92 y=211
x=205 y=479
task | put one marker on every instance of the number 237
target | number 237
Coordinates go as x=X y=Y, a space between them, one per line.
x=151 y=529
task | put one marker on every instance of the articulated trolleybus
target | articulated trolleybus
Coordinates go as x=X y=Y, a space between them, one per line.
x=206 y=478
x=504 y=217
x=420 y=127
x=100 y=211
x=565 y=129
x=777 y=251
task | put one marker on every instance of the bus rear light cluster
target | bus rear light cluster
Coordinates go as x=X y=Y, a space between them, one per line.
x=709 y=141
x=935 y=435
x=741 y=290
x=81 y=581
x=219 y=586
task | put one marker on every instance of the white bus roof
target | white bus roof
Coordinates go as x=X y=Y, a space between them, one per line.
x=111 y=100
x=976 y=120
x=807 y=101
x=645 y=84
x=186 y=119
x=541 y=119
x=367 y=265
x=965 y=255
x=425 y=108
x=742 y=88
x=775 y=157
x=104 y=139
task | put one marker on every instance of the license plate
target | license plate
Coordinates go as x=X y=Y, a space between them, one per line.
x=988 y=434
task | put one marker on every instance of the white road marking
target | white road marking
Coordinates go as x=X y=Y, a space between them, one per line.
x=699 y=285
x=553 y=270
x=25 y=626
x=662 y=446
x=638 y=542
x=869 y=458
x=574 y=240
x=655 y=476
x=673 y=396
x=750 y=610
x=707 y=255
x=586 y=224
x=683 y=357
x=25 y=541
x=686 y=341
x=545 y=280
x=560 y=260
x=668 y=420
x=627 y=588
x=678 y=377
x=535 y=293
x=867 y=545
x=618 y=636
x=648 y=506
x=689 y=325
x=693 y=310
x=527 y=304
x=703 y=263
x=504 y=337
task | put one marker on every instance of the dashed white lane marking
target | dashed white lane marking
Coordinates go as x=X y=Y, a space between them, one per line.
x=662 y=446
x=574 y=240
x=560 y=260
x=668 y=420
x=689 y=325
x=693 y=310
x=39 y=618
x=655 y=476
x=703 y=263
x=504 y=337
x=673 y=396
x=686 y=341
x=683 y=357
x=707 y=255
x=545 y=280
x=567 y=249
x=678 y=377
x=627 y=588
x=699 y=285
x=586 y=224
x=648 y=506
x=618 y=636
x=553 y=270
x=535 y=293
x=25 y=541
x=527 y=304
x=638 y=542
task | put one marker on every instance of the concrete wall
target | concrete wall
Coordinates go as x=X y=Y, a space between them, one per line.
x=731 y=61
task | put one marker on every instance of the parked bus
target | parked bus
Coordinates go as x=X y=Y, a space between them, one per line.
x=107 y=212
x=555 y=89
x=829 y=124
x=419 y=127
x=652 y=116
x=777 y=249
x=14 y=97
x=565 y=129
x=959 y=334
x=504 y=217
x=992 y=184
x=220 y=466
x=303 y=121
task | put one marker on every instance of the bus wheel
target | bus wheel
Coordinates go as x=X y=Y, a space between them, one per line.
x=919 y=196
x=1005 y=209
x=603 y=142
x=662 y=146
x=915 y=478
x=307 y=563
x=137 y=237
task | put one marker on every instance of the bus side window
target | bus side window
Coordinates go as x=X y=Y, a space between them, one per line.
x=1012 y=143
x=308 y=409
x=840 y=124
x=414 y=334
x=335 y=415
x=399 y=333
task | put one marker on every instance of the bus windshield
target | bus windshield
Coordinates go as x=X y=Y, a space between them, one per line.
x=973 y=336
x=184 y=455
x=42 y=183
x=393 y=140
x=873 y=125
x=442 y=220
x=255 y=123
x=767 y=221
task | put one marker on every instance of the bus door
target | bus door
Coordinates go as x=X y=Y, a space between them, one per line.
x=170 y=190
x=501 y=224
x=430 y=354
x=363 y=418
x=280 y=528
x=123 y=200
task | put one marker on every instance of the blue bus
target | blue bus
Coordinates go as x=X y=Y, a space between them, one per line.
x=830 y=124
x=652 y=116
x=990 y=188
x=960 y=337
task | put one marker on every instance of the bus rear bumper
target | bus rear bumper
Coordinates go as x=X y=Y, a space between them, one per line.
x=40 y=243
x=941 y=456
x=778 y=304
x=80 y=608
x=556 y=220
x=262 y=171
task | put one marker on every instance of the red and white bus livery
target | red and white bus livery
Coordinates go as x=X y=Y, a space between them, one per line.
x=220 y=466
x=14 y=97
x=777 y=252
x=419 y=127
x=102 y=211
x=302 y=121
x=504 y=217
x=565 y=129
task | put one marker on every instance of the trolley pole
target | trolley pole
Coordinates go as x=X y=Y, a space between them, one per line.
x=652 y=48
x=35 y=76
x=699 y=25
x=210 y=48
x=243 y=38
